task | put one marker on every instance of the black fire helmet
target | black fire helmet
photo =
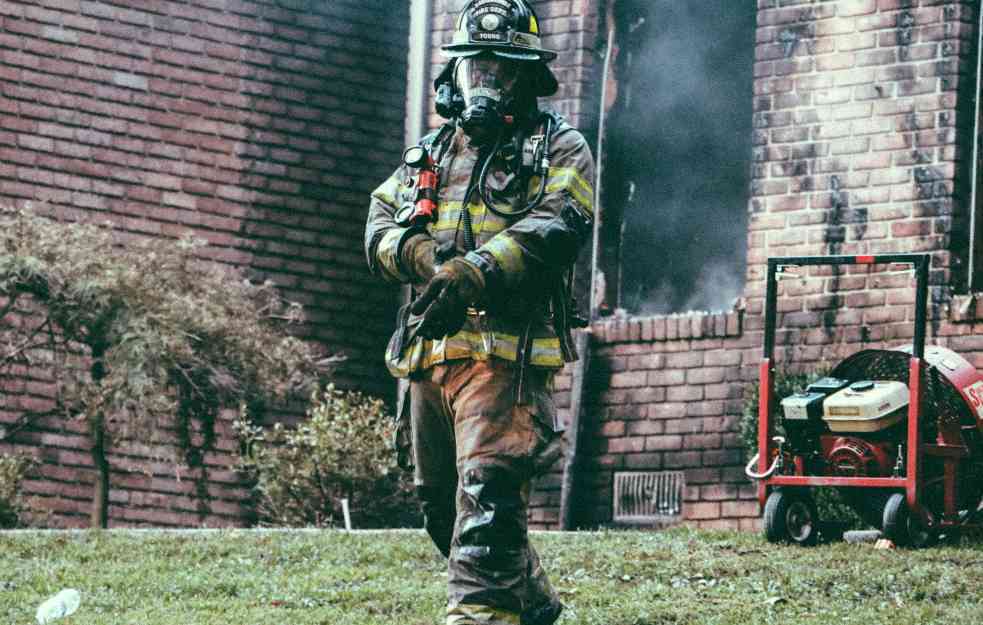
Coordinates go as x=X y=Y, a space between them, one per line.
x=506 y=28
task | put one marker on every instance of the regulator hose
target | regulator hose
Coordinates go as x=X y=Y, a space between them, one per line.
x=488 y=197
x=761 y=476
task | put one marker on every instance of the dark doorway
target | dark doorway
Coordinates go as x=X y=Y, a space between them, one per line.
x=677 y=155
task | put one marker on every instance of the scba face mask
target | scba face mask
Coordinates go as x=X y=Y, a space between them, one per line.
x=488 y=85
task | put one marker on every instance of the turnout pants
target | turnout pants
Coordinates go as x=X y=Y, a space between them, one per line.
x=476 y=447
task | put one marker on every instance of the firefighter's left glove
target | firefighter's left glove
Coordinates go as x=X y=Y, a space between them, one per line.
x=418 y=256
x=444 y=304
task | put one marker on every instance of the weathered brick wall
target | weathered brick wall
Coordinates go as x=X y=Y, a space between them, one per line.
x=663 y=394
x=863 y=142
x=863 y=145
x=863 y=136
x=259 y=126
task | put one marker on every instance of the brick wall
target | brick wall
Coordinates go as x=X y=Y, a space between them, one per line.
x=863 y=134
x=260 y=126
x=862 y=144
x=663 y=394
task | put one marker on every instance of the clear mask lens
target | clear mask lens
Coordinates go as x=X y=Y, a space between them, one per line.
x=489 y=77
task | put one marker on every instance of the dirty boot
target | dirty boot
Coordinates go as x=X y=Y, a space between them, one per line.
x=543 y=615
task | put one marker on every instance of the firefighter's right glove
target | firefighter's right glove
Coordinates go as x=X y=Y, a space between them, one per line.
x=419 y=258
x=444 y=304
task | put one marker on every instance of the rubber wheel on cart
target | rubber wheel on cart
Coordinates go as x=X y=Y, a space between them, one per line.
x=902 y=528
x=791 y=517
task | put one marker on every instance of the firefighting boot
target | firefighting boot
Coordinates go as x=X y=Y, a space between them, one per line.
x=542 y=615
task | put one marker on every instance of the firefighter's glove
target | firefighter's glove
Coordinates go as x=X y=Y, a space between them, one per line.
x=418 y=257
x=444 y=304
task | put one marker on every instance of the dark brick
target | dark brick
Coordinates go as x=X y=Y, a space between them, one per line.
x=147 y=119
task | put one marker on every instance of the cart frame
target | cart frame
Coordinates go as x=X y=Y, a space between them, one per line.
x=911 y=482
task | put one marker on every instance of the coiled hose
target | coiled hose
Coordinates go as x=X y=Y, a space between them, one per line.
x=762 y=476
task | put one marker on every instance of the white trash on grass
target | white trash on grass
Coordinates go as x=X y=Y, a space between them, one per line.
x=61 y=605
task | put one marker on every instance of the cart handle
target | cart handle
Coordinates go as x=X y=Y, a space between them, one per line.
x=921 y=263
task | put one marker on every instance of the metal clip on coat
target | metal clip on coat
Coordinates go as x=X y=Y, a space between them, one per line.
x=424 y=208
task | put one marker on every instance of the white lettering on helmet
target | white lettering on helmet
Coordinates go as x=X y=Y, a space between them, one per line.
x=494 y=9
x=492 y=6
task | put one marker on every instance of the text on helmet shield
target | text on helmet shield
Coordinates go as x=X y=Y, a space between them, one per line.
x=496 y=10
x=490 y=36
x=492 y=6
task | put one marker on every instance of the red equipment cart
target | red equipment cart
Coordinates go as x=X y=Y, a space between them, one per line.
x=934 y=480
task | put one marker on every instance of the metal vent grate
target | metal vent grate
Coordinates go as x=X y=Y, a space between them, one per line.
x=648 y=498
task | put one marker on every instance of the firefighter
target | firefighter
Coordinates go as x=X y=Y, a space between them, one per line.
x=485 y=219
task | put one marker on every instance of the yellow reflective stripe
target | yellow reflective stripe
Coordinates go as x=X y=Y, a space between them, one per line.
x=467 y=614
x=477 y=346
x=467 y=345
x=570 y=176
x=447 y=218
x=508 y=254
x=546 y=353
x=569 y=179
x=483 y=221
x=402 y=365
x=387 y=254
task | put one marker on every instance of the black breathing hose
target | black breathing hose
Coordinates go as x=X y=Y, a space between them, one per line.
x=486 y=195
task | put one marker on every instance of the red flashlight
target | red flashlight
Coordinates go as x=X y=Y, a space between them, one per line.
x=424 y=208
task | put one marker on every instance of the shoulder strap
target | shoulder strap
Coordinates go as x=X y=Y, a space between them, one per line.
x=438 y=139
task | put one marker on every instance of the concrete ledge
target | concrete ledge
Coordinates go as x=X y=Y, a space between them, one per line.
x=966 y=308
x=674 y=327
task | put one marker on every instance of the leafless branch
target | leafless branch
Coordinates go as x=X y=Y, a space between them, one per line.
x=27 y=345
x=10 y=305
x=31 y=417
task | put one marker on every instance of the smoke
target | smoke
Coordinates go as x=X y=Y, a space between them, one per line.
x=716 y=288
x=678 y=152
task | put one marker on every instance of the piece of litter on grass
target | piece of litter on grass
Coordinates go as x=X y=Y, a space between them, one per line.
x=773 y=601
x=884 y=543
x=65 y=603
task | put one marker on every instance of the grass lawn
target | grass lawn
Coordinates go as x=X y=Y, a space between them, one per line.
x=678 y=577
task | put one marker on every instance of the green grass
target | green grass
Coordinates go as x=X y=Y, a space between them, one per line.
x=678 y=577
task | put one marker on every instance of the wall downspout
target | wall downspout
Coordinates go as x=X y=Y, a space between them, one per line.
x=578 y=388
x=417 y=109
x=975 y=180
x=418 y=74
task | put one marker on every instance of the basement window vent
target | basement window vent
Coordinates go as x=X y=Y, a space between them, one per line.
x=648 y=498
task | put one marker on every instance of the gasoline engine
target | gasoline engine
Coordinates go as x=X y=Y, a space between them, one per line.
x=847 y=429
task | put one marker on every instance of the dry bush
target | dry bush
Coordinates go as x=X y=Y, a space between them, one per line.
x=143 y=336
x=340 y=451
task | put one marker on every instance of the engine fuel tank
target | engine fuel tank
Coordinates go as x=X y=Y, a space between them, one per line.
x=866 y=406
